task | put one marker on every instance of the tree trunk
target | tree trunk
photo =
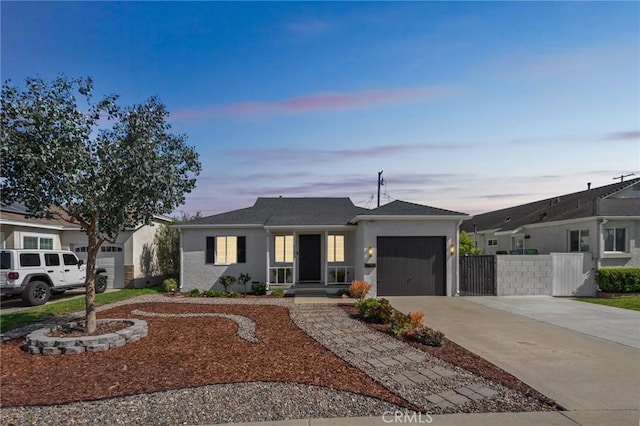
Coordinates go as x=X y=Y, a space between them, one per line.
x=90 y=282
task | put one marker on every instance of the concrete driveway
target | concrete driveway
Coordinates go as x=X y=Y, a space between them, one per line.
x=584 y=356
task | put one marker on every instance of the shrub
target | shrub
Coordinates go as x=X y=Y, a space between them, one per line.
x=259 y=288
x=400 y=324
x=359 y=289
x=227 y=281
x=243 y=279
x=278 y=292
x=343 y=292
x=170 y=285
x=619 y=280
x=213 y=293
x=232 y=294
x=380 y=314
x=194 y=293
x=417 y=319
x=363 y=305
x=426 y=336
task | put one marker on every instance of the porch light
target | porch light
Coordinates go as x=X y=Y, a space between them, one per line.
x=370 y=251
x=452 y=249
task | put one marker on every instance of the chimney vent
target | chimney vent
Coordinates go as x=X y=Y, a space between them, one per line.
x=588 y=186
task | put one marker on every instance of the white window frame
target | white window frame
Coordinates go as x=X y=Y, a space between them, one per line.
x=230 y=255
x=39 y=237
x=335 y=241
x=625 y=242
x=580 y=236
x=286 y=254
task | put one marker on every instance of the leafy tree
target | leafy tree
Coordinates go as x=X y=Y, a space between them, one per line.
x=100 y=165
x=467 y=246
x=167 y=242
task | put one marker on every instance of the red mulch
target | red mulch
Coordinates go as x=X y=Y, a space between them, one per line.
x=456 y=355
x=181 y=353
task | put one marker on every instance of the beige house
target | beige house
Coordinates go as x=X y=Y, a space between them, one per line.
x=128 y=261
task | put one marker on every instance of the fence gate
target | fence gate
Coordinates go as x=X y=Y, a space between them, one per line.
x=478 y=275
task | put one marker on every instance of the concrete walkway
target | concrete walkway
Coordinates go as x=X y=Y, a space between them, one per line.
x=582 y=372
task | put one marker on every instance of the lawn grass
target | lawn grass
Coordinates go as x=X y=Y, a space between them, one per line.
x=40 y=313
x=624 y=302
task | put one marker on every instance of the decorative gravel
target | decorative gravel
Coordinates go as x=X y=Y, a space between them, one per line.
x=226 y=403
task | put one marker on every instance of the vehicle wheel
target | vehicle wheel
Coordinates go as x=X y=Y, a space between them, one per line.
x=101 y=283
x=54 y=291
x=37 y=293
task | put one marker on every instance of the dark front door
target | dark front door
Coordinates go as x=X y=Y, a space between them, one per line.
x=411 y=266
x=309 y=257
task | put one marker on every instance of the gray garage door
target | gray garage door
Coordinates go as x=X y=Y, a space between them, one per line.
x=411 y=266
x=111 y=258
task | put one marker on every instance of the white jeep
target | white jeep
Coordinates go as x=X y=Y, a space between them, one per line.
x=36 y=274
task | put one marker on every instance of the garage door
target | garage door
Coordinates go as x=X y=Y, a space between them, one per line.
x=111 y=258
x=411 y=266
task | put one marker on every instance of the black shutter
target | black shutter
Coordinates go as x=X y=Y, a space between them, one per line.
x=242 y=249
x=211 y=250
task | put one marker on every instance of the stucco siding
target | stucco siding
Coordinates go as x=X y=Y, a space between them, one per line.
x=370 y=230
x=196 y=274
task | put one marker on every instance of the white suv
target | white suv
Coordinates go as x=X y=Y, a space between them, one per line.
x=36 y=274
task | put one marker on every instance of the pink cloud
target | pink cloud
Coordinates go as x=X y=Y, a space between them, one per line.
x=317 y=102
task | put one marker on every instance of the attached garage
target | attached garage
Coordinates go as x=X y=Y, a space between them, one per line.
x=111 y=258
x=411 y=266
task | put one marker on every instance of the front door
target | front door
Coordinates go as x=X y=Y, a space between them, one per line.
x=310 y=257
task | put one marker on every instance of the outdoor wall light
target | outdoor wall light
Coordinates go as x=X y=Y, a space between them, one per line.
x=370 y=251
x=452 y=249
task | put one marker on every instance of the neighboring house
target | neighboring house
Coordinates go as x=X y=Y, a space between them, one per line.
x=127 y=261
x=603 y=221
x=400 y=248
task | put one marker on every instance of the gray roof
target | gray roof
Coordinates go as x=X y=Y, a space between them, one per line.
x=403 y=208
x=311 y=212
x=588 y=203
x=288 y=212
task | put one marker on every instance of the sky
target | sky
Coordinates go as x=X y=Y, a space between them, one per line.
x=466 y=106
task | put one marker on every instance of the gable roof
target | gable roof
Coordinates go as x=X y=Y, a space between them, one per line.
x=403 y=208
x=588 y=203
x=284 y=212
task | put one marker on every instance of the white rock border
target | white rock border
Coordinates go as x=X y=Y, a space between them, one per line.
x=246 y=326
x=38 y=343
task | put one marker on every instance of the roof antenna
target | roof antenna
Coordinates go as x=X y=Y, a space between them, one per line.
x=621 y=177
x=380 y=183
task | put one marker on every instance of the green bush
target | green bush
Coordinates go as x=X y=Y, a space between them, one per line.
x=377 y=311
x=170 y=285
x=213 y=293
x=363 y=305
x=619 y=280
x=259 y=289
x=232 y=294
x=400 y=324
x=278 y=292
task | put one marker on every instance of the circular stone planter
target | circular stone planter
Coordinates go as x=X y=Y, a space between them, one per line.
x=39 y=343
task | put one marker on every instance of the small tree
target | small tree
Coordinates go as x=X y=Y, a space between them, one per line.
x=467 y=246
x=98 y=165
x=227 y=281
x=243 y=279
x=167 y=243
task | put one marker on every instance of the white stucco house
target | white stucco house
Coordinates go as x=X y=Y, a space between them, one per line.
x=400 y=248
x=603 y=221
x=125 y=260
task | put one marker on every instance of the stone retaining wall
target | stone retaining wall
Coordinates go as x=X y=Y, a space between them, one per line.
x=39 y=343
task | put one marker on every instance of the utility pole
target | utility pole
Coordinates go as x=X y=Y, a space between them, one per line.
x=621 y=177
x=380 y=183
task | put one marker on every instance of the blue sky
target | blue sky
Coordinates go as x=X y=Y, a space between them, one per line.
x=468 y=106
